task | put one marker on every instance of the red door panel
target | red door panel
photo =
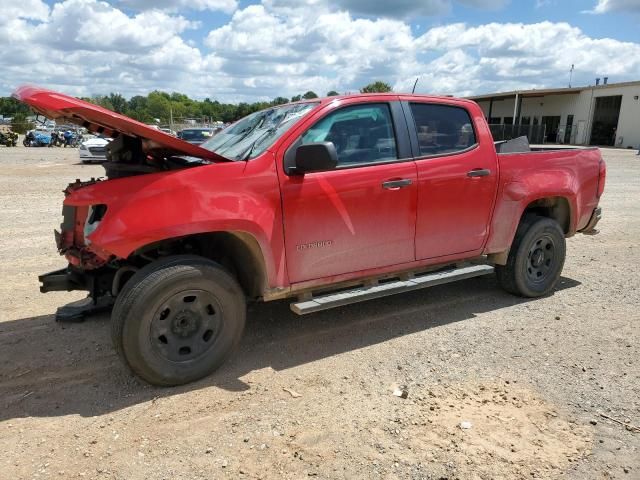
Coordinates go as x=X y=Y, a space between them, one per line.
x=457 y=176
x=453 y=208
x=345 y=220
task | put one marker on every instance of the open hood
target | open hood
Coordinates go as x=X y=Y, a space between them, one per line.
x=100 y=120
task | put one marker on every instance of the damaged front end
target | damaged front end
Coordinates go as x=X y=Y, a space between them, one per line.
x=88 y=266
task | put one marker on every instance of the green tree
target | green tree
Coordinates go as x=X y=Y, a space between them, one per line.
x=309 y=95
x=376 y=87
x=9 y=107
x=118 y=102
x=332 y=93
x=296 y=98
x=280 y=101
x=103 y=101
x=159 y=106
x=137 y=109
x=19 y=123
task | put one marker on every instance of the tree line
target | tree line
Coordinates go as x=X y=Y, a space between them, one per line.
x=163 y=106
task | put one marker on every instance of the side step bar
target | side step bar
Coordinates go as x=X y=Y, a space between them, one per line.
x=361 y=294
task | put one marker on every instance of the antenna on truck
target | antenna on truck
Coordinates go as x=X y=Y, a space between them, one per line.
x=414 y=85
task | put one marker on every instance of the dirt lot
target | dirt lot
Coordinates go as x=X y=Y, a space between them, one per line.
x=531 y=377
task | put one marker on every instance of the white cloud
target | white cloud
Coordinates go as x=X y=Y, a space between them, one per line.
x=605 y=6
x=389 y=9
x=95 y=25
x=25 y=9
x=529 y=54
x=227 y=6
x=330 y=49
x=286 y=47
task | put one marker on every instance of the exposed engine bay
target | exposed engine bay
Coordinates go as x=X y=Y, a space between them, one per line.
x=127 y=156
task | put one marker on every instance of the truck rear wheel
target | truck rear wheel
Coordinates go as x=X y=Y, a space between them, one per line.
x=536 y=258
x=178 y=319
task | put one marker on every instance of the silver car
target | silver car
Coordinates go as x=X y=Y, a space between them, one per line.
x=94 y=150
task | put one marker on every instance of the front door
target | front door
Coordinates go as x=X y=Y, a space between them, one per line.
x=361 y=215
x=457 y=181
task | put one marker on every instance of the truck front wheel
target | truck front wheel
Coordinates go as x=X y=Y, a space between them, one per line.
x=178 y=319
x=536 y=258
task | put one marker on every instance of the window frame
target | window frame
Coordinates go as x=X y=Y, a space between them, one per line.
x=400 y=128
x=413 y=133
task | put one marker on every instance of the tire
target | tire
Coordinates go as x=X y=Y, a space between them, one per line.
x=536 y=258
x=178 y=319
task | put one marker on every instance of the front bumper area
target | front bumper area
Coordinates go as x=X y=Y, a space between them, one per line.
x=68 y=279
x=590 y=229
x=63 y=280
x=96 y=282
x=89 y=157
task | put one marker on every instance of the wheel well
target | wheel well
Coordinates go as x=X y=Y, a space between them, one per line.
x=556 y=208
x=238 y=252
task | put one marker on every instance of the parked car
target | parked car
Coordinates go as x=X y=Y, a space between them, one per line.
x=327 y=202
x=168 y=130
x=94 y=150
x=36 y=138
x=196 y=136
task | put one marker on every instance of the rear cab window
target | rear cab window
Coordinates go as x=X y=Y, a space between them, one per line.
x=442 y=129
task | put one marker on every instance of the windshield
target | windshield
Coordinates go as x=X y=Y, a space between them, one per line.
x=195 y=134
x=252 y=135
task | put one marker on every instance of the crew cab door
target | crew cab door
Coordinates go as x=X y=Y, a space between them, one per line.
x=457 y=178
x=362 y=214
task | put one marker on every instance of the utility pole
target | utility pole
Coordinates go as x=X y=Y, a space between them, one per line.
x=570 y=75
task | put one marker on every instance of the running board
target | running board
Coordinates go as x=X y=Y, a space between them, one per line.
x=362 y=294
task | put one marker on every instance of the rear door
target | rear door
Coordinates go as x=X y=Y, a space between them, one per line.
x=457 y=179
x=361 y=215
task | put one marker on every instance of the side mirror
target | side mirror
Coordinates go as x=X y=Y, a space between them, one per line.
x=314 y=157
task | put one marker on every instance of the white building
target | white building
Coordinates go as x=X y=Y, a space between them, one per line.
x=604 y=114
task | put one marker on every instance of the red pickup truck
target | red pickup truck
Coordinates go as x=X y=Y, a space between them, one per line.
x=328 y=201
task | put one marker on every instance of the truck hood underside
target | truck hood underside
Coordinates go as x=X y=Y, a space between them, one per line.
x=100 y=120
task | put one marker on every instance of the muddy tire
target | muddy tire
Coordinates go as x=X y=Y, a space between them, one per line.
x=536 y=258
x=178 y=319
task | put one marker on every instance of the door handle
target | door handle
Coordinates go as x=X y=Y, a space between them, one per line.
x=396 y=184
x=479 y=172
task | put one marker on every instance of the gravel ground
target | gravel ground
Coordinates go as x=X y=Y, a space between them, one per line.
x=313 y=396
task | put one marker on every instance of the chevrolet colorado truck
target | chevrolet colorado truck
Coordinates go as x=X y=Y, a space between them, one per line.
x=327 y=201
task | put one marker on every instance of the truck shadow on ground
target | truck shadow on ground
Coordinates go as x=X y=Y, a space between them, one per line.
x=49 y=369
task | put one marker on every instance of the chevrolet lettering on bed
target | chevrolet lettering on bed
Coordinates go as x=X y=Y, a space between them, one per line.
x=327 y=201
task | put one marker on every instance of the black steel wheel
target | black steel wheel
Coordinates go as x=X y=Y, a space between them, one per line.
x=186 y=326
x=178 y=319
x=541 y=259
x=536 y=258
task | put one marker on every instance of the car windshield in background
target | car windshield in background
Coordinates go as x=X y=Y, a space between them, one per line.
x=195 y=135
x=252 y=135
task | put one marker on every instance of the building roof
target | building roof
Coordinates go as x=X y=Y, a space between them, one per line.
x=549 y=91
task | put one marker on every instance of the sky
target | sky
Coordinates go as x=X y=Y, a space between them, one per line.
x=242 y=50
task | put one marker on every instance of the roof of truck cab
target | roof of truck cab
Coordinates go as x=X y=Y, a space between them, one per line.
x=417 y=96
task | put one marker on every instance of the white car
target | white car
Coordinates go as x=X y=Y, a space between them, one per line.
x=94 y=150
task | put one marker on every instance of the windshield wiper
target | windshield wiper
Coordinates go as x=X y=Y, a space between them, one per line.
x=250 y=148
x=269 y=131
x=235 y=140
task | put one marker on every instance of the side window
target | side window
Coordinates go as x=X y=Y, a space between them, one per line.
x=361 y=134
x=442 y=128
